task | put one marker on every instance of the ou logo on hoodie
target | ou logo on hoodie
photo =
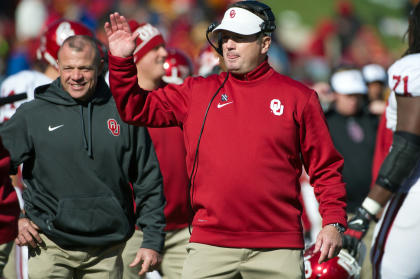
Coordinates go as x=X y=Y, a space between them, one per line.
x=114 y=127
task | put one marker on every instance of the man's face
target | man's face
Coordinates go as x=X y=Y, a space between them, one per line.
x=348 y=105
x=375 y=91
x=151 y=64
x=241 y=53
x=78 y=71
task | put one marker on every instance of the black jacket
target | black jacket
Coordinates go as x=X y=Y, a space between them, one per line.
x=79 y=160
x=354 y=137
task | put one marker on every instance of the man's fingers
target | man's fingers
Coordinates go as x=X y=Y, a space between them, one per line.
x=318 y=245
x=28 y=239
x=34 y=225
x=136 y=261
x=323 y=255
x=113 y=22
x=145 y=266
x=119 y=21
x=34 y=233
x=153 y=262
x=20 y=240
x=332 y=252
x=107 y=28
x=125 y=25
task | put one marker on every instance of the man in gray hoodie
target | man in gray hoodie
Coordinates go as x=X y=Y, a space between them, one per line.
x=79 y=161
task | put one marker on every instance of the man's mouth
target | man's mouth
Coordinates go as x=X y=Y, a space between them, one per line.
x=232 y=56
x=77 y=86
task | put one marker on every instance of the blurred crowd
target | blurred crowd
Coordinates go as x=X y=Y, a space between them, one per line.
x=306 y=55
x=342 y=58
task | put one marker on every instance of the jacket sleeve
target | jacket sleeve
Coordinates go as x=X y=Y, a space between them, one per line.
x=9 y=205
x=16 y=139
x=163 y=107
x=148 y=191
x=322 y=163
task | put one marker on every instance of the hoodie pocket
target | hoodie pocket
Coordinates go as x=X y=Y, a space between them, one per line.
x=92 y=215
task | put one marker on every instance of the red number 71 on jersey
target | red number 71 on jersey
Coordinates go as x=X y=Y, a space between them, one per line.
x=397 y=82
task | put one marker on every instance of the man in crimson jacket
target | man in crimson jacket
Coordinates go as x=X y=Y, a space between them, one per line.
x=247 y=133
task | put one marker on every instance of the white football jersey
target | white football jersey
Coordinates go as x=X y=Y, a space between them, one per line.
x=404 y=76
x=22 y=82
x=398 y=232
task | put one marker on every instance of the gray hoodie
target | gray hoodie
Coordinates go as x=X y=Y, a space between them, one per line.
x=79 y=161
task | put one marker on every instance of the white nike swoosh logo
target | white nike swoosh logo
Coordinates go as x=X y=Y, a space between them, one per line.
x=54 y=128
x=219 y=105
x=357 y=222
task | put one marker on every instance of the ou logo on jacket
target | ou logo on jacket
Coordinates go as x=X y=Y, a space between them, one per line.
x=114 y=127
x=276 y=107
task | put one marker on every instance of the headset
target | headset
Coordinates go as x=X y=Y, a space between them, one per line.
x=267 y=27
x=255 y=7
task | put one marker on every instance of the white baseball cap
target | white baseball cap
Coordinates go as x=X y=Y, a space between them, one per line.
x=374 y=72
x=348 y=82
x=240 y=21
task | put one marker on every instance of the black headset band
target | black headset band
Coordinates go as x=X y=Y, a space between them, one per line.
x=268 y=25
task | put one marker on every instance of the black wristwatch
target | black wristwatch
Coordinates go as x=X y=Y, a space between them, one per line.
x=340 y=228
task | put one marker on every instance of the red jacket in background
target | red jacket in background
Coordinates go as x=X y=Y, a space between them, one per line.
x=382 y=146
x=258 y=132
x=9 y=205
x=170 y=151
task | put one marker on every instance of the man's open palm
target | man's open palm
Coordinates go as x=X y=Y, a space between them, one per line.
x=121 y=41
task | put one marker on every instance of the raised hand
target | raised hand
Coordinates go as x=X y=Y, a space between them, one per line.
x=121 y=40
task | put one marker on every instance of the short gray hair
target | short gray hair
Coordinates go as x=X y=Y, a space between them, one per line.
x=79 y=42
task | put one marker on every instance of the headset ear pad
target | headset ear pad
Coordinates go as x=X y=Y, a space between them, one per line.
x=269 y=24
x=215 y=40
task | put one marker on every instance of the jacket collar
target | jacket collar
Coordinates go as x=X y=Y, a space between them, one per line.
x=262 y=69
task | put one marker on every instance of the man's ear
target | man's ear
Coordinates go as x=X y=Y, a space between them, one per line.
x=265 y=42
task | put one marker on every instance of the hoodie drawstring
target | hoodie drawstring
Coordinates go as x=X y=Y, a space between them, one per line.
x=87 y=145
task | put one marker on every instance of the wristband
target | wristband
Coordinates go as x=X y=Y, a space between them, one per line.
x=371 y=206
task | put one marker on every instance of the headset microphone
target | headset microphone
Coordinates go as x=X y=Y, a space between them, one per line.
x=219 y=41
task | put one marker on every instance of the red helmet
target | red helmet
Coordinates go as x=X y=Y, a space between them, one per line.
x=207 y=61
x=54 y=37
x=344 y=266
x=178 y=66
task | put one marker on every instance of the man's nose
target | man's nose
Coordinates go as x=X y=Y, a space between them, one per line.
x=162 y=51
x=230 y=44
x=76 y=74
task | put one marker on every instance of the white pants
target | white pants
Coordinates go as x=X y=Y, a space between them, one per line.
x=399 y=256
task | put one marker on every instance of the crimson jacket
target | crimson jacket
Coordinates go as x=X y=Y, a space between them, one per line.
x=258 y=132
x=9 y=205
x=170 y=151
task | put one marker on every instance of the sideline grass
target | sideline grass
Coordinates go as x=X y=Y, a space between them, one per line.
x=312 y=11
